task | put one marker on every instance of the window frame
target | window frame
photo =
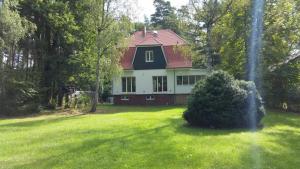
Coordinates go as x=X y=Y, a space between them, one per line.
x=179 y=80
x=187 y=79
x=194 y=79
x=160 y=87
x=131 y=80
x=149 y=56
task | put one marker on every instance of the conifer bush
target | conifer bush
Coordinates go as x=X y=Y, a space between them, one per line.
x=220 y=101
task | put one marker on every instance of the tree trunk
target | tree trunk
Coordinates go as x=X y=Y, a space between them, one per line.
x=1 y=75
x=67 y=100
x=60 y=97
x=96 y=93
x=208 y=47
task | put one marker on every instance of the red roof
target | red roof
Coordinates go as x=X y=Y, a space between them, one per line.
x=165 y=38
x=126 y=60
x=175 y=59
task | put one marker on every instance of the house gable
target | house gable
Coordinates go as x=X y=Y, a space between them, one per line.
x=163 y=43
x=140 y=62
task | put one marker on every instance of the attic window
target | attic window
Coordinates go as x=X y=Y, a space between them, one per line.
x=149 y=57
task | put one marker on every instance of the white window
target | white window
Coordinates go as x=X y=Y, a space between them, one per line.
x=148 y=98
x=160 y=83
x=149 y=57
x=188 y=80
x=128 y=84
x=124 y=98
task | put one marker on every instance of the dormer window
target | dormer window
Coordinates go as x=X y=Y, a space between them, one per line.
x=149 y=57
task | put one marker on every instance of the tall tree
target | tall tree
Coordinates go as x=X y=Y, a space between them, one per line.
x=231 y=38
x=281 y=40
x=163 y=12
x=206 y=14
x=15 y=90
x=107 y=32
x=54 y=43
x=280 y=64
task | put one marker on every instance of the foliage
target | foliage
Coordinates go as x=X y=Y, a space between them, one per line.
x=20 y=98
x=55 y=44
x=219 y=101
x=163 y=11
x=18 y=95
x=233 y=40
x=168 y=17
x=206 y=14
x=229 y=41
x=13 y=27
x=81 y=100
x=105 y=35
x=281 y=38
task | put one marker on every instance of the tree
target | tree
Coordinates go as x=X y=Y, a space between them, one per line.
x=163 y=11
x=281 y=40
x=231 y=36
x=280 y=70
x=16 y=92
x=107 y=33
x=52 y=45
x=206 y=15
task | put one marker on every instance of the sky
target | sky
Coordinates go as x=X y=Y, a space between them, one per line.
x=145 y=7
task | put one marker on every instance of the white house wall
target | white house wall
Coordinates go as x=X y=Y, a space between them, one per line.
x=144 y=80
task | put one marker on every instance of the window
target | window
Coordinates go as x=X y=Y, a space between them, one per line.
x=148 y=98
x=199 y=77
x=124 y=98
x=149 y=57
x=185 y=80
x=188 y=80
x=179 y=80
x=128 y=84
x=192 y=80
x=160 y=84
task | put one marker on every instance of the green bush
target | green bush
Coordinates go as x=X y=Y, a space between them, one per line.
x=19 y=98
x=220 y=101
x=81 y=100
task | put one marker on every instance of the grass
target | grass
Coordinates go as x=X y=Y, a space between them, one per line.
x=145 y=137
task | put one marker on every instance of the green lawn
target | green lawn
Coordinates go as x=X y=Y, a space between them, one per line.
x=145 y=137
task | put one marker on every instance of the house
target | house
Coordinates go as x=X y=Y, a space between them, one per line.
x=154 y=73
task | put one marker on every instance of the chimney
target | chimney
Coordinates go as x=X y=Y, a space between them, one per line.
x=155 y=33
x=145 y=31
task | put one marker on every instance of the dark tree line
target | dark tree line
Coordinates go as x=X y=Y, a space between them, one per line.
x=47 y=47
x=218 y=32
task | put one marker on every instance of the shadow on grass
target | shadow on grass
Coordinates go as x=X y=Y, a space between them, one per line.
x=40 y=122
x=183 y=127
x=288 y=119
x=146 y=145
x=114 y=109
x=270 y=120
x=276 y=148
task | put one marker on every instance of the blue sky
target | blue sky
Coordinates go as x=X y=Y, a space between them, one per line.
x=145 y=7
